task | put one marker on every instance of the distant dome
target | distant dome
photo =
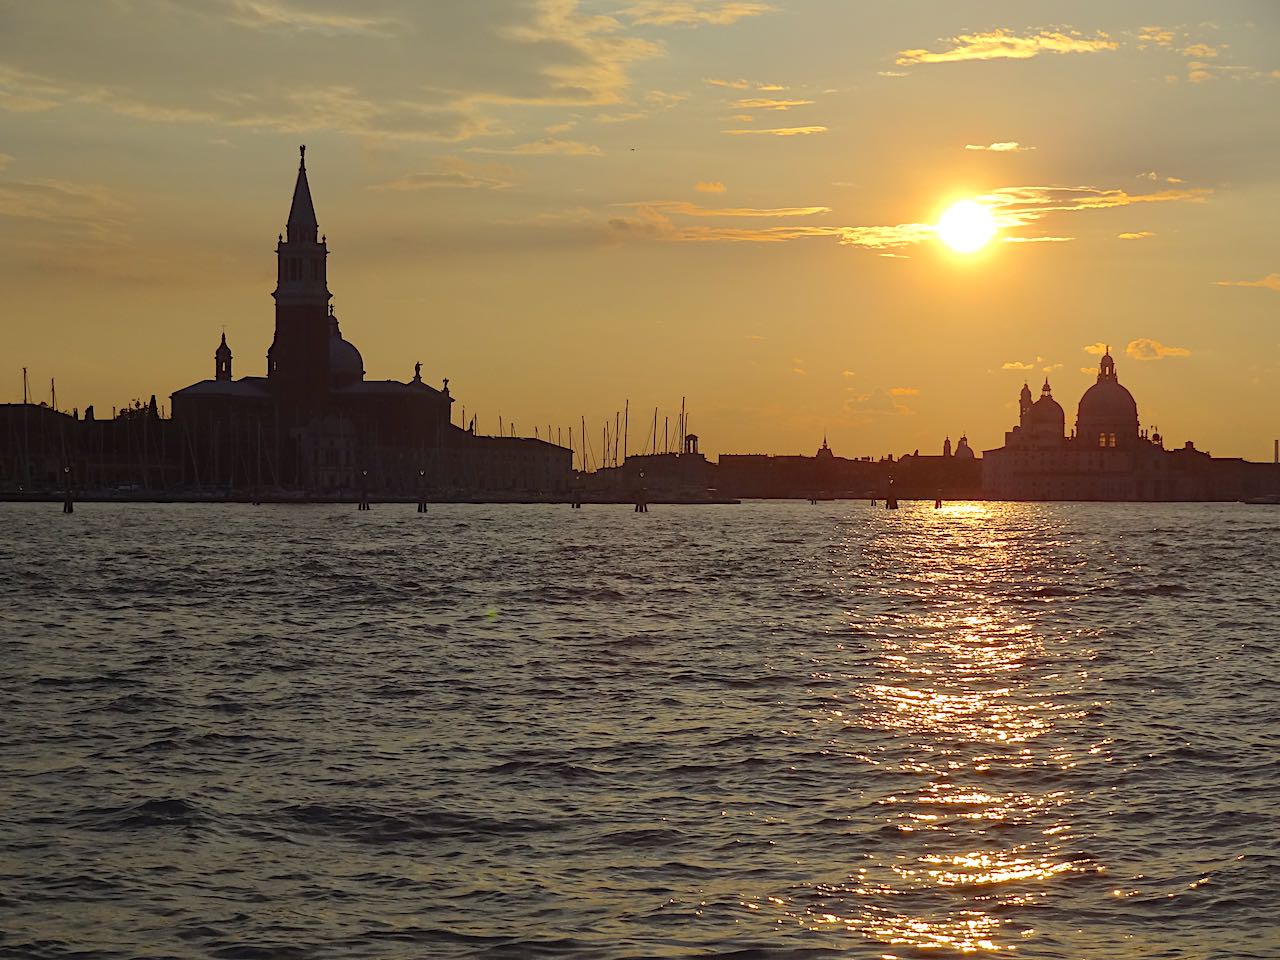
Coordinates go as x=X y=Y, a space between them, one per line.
x=345 y=363
x=1047 y=416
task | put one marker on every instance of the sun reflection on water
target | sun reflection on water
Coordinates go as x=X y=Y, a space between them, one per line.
x=965 y=693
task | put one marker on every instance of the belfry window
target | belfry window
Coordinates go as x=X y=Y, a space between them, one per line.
x=1111 y=440
x=1102 y=439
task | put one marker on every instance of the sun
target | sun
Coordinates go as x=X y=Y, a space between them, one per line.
x=966 y=226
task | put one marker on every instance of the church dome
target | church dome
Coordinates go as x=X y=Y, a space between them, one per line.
x=345 y=363
x=1108 y=400
x=1107 y=407
x=1046 y=417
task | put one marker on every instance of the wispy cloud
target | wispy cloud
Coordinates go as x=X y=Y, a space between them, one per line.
x=741 y=84
x=764 y=103
x=1270 y=282
x=89 y=211
x=1005 y=45
x=1004 y=146
x=709 y=186
x=548 y=146
x=453 y=173
x=1144 y=348
x=692 y=13
x=5 y=160
x=1136 y=235
x=1096 y=349
x=1017 y=365
x=684 y=208
x=778 y=131
x=1014 y=207
x=880 y=402
x=274 y=15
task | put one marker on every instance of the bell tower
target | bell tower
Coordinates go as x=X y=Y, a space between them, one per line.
x=298 y=361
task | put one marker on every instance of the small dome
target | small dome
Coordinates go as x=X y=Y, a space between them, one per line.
x=345 y=363
x=223 y=350
x=1047 y=412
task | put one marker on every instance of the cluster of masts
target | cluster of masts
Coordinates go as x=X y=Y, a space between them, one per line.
x=614 y=437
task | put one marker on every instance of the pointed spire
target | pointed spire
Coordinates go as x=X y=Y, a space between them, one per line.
x=302 y=223
x=1046 y=390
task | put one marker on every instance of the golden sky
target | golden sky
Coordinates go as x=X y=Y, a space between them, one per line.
x=561 y=205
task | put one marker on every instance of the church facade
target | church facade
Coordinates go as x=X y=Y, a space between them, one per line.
x=315 y=423
x=1109 y=456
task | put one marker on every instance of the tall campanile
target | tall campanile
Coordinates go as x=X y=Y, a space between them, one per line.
x=298 y=361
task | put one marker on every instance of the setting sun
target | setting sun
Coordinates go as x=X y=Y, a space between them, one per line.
x=966 y=226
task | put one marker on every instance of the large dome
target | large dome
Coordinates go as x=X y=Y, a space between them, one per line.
x=1108 y=413
x=1108 y=400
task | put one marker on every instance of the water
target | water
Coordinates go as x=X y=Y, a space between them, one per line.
x=763 y=731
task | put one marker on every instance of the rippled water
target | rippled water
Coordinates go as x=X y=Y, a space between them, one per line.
x=762 y=731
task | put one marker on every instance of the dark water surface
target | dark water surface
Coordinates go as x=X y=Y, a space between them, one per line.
x=763 y=731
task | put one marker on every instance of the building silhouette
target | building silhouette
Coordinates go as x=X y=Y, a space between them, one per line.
x=1109 y=456
x=315 y=423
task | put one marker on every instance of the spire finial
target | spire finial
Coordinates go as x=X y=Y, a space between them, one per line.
x=302 y=157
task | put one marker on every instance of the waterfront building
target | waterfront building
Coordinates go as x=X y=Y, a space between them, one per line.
x=1108 y=456
x=315 y=423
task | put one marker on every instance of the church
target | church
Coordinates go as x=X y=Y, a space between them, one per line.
x=315 y=424
x=1108 y=456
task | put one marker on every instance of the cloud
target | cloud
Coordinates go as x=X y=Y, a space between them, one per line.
x=1199 y=50
x=746 y=85
x=1159 y=36
x=879 y=238
x=548 y=146
x=892 y=74
x=903 y=392
x=779 y=131
x=1017 y=365
x=1136 y=235
x=709 y=186
x=1014 y=207
x=1004 y=146
x=274 y=15
x=1153 y=176
x=880 y=402
x=1004 y=45
x=692 y=13
x=76 y=210
x=1270 y=282
x=687 y=209
x=396 y=73
x=5 y=160
x=763 y=103
x=848 y=373
x=1145 y=348
x=453 y=172
x=1097 y=349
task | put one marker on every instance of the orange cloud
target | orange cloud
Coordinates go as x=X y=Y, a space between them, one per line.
x=762 y=103
x=1003 y=45
x=1145 y=348
x=779 y=131
x=1017 y=365
x=1136 y=235
x=1097 y=349
x=1270 y=282
x=691 y=13
x=709 y=186
x=1005 y=146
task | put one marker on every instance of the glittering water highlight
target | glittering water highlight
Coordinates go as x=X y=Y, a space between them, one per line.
x=769 y=730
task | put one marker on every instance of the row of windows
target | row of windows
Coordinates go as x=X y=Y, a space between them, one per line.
x=293 y=269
